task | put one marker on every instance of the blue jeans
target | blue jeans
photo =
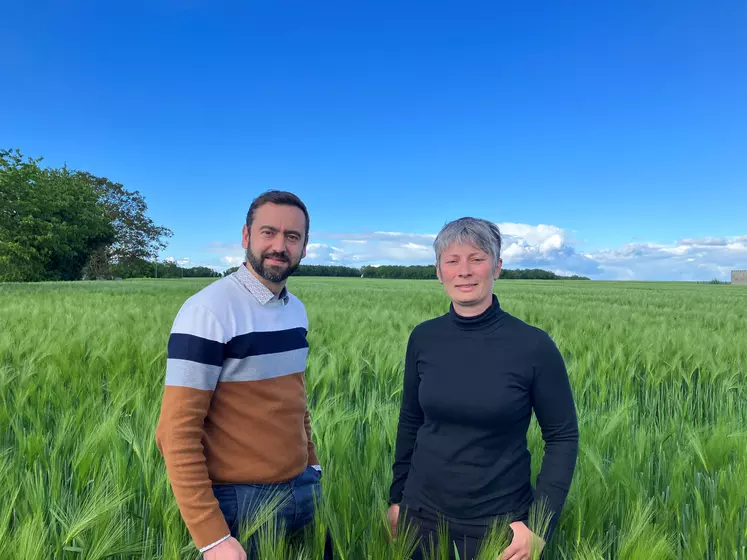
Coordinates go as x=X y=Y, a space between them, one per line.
x=293 y=503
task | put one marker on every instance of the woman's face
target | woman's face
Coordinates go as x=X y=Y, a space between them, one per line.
x=467 y=274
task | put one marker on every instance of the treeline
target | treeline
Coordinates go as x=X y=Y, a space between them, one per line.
x=315 y=270
x=140 y=268
x=428 y=272
x=63 y=224
x=536 y=274
x=414 y=272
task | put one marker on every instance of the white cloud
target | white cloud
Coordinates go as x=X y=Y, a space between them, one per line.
x=323 y=253
x=526 y=246
x=232 y=260
x=688 y=259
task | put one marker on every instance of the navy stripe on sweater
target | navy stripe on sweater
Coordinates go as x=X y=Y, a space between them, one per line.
x=266 y=342
x=210 y=352
x=196 y=349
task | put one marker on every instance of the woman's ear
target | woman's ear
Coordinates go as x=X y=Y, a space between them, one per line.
x=498 y=268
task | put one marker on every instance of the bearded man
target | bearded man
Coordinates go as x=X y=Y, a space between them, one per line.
x=234 y=428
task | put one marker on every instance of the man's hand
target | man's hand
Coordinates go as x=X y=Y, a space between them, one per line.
x=523 y=543
x=230 y=549
x=392 y=516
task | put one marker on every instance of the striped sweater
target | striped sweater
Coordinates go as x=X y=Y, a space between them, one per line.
x=234 y=405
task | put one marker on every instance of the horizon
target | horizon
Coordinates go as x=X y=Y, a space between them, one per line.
x=224 y=271
x=606 y=141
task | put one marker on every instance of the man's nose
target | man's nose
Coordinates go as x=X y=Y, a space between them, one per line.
x=278 y=244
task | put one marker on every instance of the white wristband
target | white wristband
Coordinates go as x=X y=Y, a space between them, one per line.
x=216 y=543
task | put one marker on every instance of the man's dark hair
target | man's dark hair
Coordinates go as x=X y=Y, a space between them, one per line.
x=278 y=197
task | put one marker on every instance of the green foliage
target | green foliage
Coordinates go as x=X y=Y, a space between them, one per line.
x=657 y=372
x=58 y=224
x=415 y=272
x=327 y=270
x=535 y=274
x=140 y=268
x=137 y=237
x=133 y=268
x=50 y=221
x=315 y=270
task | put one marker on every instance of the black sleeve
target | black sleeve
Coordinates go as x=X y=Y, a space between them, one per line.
x=555 y=409
x=410 y=420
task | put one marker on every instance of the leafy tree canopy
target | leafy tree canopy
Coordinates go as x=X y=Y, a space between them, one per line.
x=62 y=224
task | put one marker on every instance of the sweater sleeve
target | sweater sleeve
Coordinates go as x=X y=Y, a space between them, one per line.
x=193 y=366
x=555 y=410
x=410 y=419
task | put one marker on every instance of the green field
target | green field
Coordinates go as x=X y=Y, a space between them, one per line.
x=659 y=374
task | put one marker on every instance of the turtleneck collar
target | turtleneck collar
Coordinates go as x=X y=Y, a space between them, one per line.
x=486 y=319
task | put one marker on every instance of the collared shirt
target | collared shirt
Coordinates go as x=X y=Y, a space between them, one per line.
x=263 y=294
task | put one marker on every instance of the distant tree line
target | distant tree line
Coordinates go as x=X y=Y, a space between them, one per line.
x=63 y=224
x=141 y=268
x=413 y=272
x=326 y=270
x=536 y=274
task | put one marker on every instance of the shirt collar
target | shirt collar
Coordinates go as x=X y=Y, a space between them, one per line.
x=263 y=294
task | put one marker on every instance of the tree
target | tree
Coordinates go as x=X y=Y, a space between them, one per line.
x=136 y=235
x=50 y=221
x=132 y=268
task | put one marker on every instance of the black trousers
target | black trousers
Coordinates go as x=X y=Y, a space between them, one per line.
x=467 y=539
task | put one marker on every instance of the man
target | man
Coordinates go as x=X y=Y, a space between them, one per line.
x=234 y=428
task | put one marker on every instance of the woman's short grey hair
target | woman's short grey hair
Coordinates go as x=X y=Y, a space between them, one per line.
x=478 y=232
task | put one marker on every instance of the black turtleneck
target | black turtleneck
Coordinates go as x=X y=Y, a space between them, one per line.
x=470 y=386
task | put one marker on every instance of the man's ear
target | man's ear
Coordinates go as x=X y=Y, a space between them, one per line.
x=245 y=237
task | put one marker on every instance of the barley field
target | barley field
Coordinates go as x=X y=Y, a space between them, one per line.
x=659 y=374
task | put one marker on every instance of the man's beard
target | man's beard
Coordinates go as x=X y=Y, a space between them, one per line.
x=270 y=272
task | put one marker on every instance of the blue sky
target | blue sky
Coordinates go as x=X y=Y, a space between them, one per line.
x=606 y=139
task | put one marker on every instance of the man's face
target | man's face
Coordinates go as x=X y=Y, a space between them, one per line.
x=276 y=243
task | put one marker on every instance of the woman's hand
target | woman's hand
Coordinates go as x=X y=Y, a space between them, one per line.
x=392 y=516
x=523 y=543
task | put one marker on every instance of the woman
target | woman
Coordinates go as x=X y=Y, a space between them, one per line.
x=472 y=378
